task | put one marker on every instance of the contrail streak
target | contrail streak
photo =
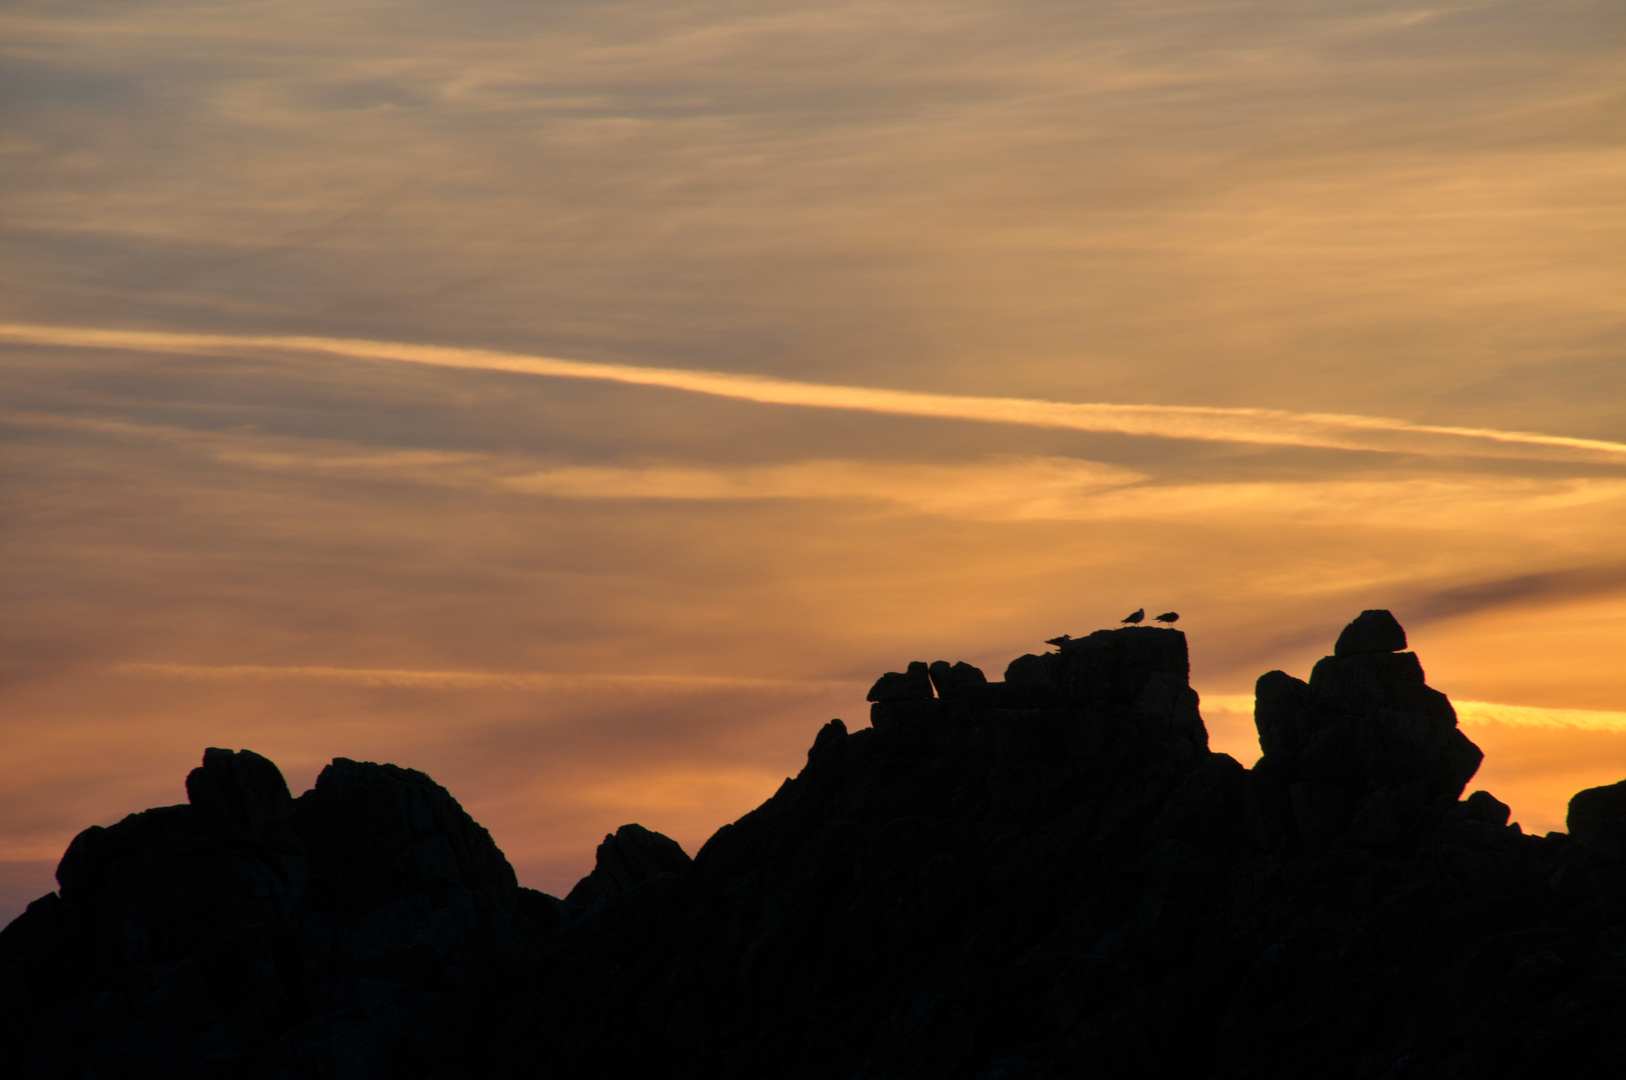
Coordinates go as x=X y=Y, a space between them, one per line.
x=1262 y=426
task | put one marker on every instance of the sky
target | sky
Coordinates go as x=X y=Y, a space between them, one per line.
x=584 y=402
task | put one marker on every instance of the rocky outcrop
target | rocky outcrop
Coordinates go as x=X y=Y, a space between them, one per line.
x=915 y=684
x=362 y=928
x=1366 y=744
x=628 y=858
x=1371 y=632
x=1597 y=820
x=1048 y=875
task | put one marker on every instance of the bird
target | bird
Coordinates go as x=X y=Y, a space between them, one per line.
x=1064 y=639
x=1169 y=617
x=1140 y=613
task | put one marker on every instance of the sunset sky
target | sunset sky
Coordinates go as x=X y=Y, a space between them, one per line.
x=584 y=402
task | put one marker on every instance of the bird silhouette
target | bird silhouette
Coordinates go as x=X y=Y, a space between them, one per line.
x=1169 y=617
x=1140 y=613
x=1064 y=639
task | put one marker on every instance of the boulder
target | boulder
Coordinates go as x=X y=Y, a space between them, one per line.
x=1030 y=670
x=627 y=859
x=915 y=684
x=951 y=681
x=1366 y=732
x=1279 y=705
x=1382 y=680
x=1485 y=807
x=241 y=787
x=1373 y=631
x=1597 y=820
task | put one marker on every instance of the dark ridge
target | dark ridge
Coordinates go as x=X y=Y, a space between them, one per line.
x=1048 y=876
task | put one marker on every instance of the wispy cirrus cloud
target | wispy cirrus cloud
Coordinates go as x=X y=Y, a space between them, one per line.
x=543 y=681
x=999 y=487
x=1239 y=425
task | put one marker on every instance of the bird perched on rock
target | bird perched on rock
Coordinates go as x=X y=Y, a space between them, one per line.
x=1064 y=639
x=1169 y=617
x=1140 y=613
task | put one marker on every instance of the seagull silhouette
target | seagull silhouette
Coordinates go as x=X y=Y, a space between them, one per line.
x=1169 y=617
x=1140 y=613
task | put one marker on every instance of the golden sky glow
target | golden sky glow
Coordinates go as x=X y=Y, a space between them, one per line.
x=584 y=402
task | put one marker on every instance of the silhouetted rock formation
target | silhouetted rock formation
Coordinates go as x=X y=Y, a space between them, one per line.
x=1045 y=876
x=1365 y=743
x=627 y=859
x=368 y=925
x=1371 y=632
x=1597 y=820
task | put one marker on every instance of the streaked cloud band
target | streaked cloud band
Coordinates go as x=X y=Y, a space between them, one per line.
x=455 y=680
x=1479 y=713
x=1214 y=424
x=1475 y=713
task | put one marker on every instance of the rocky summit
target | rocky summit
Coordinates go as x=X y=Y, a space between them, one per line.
x=1045 y=876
